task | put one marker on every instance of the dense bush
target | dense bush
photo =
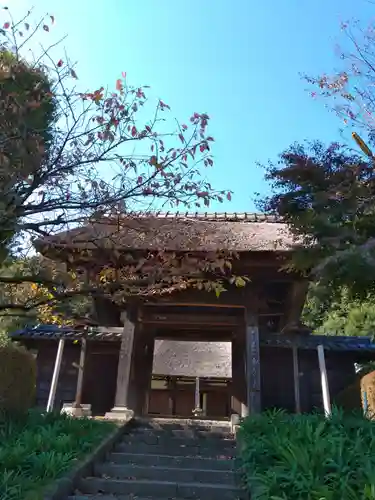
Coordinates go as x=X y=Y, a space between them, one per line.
x=308 y=457
x=17 y=378
x=37 y=448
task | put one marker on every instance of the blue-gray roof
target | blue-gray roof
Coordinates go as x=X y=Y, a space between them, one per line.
x=332 y=343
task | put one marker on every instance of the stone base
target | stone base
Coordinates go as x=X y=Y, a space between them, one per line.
x=120 y=413
x=76 y=411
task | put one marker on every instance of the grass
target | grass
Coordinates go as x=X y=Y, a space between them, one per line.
x=308 y=457
x=36 y=448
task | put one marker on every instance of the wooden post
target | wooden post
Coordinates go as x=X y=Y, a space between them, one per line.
x=252 y=365
x=297 y=398
x=55 y=376
x=324 y=380
x=294 y=304
x=197 y=394
x=81 y=370
x=121 y=411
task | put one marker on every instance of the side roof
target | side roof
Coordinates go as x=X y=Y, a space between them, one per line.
x=178 y=231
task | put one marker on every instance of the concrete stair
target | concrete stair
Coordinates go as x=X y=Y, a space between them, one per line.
x=167 y=459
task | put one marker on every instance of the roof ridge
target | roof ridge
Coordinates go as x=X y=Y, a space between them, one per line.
x=209 y=216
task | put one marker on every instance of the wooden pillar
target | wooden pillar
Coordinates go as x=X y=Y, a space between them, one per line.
x=239 y=382
x=297 y=399
x=294 y=304
x=121 y=410
x=252 y=365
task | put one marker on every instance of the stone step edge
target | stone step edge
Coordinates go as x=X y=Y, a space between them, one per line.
x=163 y=456
x=162 y=468
x=212 y=486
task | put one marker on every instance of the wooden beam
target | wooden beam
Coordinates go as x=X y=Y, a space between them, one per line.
x=192 y=304
x=297 y=399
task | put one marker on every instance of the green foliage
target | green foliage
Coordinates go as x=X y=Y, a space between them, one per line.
x=326 y=195
x=17 y=378
x=36 y=449
x=339 y=313
x=308 y=457
x=28 y=112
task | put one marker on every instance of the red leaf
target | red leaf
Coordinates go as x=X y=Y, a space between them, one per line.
x=60 y=63
x=6 y=26
x=229 y=196
x=123 y=74
x=52 y=19
x=140 y=179
x=74 y=74
x=134 y=131
x=182 y=138
x=27 y=26
x=46 y=28
x=184 y=127
x=119 y=85
x=210 y=139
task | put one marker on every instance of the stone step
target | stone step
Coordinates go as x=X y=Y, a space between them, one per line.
x=159 y=489
x=104 y=497
x=153 y=438
x=181 y=424
x=162 y=473
x=171 y=461
x=178 y=449
x=183 y=433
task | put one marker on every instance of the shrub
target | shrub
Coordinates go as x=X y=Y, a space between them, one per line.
x=308 y=457
x=17 y=378
x=38 y=448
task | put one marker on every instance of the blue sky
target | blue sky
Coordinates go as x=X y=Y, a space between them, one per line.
x=238 y=61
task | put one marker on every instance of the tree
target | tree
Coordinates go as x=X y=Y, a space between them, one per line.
x=349 y=91
x=68 y=155
x=343 y=315
x=326 y=195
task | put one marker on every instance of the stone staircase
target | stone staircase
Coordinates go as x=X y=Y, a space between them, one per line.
x=167 y=459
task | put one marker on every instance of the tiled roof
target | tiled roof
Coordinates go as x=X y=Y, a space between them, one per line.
x=330 y=343
x=178 y=231
x=334 y=343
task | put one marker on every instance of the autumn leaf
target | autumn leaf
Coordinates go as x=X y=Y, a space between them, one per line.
x=134 y=131
x=6 y=26
x=74 y=74
x=182 y=138
x=60 y=63
x=27 y=26
x=52 y=19
x=229 y=196
x=46 y=28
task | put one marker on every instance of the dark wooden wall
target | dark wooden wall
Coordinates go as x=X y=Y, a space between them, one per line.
x=340 y=372
x=277 y=380
x=67 y=384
